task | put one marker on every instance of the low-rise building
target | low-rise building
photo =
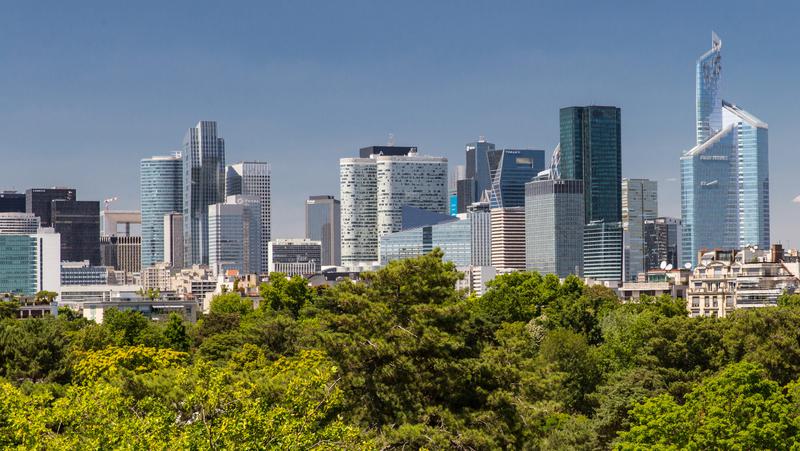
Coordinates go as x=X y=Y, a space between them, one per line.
x=673 y=283
x=727 y=280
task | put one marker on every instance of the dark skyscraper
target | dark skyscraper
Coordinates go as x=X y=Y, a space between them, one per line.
x=39 y=202
x=322 y=224
x=591 y=150
x=78 y=222
x=12 y=202
x=478 y=165
x=509 y=171
x=388 y=151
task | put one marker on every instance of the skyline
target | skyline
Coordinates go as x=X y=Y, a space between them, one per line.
x=280 y=96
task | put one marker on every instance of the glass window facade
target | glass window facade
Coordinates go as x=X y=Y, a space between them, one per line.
x=554 y=227
x=509 y=171
x=161 y=193
x=453 y=238
x=18 y=264
x=78 y=222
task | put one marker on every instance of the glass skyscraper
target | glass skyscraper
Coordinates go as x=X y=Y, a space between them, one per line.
x=725 y=177
x=161 y=193
x=591 y=150
x=509 y=171
x=322 y=224
x=203 y=185
x=252 y=178
x=478 y=167
x=554 y=227
x=78 y=223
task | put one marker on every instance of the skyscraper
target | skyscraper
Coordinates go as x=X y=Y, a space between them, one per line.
x=591 y=151
x=253 y=178
x=161 y=193
x=639 y=203
x=235 y=235
x=39 y=201
x=373 y=193
x=480 y=234
x=78 y=223
x=203 y=185
x=173 y=240
x=509 y=171
x=554 y=227
x=508 y=238
x=478 y=165
x=30 y=263
x=19 y=223
x=725 y=177
x=323 y=215
x=12 y=202
x=662 y=242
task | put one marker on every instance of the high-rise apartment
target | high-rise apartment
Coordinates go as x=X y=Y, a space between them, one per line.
x=554 y=226
x=591 y=151
x=39 y=201
x=639 y=203
x=235 y=235
x=323 y=215
x=725 y=177
x=509 y=171
x=373 y=193
x=253 y=178
x=508 y=238
x=203 y=185
x=78 y=223
x=161 y=193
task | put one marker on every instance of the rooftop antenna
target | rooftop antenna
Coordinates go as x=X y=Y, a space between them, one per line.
x=107 y=202
x=391 y=140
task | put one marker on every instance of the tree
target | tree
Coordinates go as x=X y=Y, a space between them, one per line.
x=231 y=303
x=175 y=333
x=9 y=309
x=45 y=297
x=739 y=408
x=282 y=293
x=129 y=325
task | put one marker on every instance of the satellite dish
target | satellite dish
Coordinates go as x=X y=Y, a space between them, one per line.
x=669 y=267
x=663 y=265
x=687 y=265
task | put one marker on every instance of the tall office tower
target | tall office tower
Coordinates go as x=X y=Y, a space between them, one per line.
x=78 y=223
x=294 y=256
x=12 y=202
x=359 y=210
x=234 y=229
x=662 y=242
x=602 y=251
x=591 y=151
x=409 y=181
x=457 y=173
x=480 y=234
x=478 y=165
x=323 y=214
x=554 y=227
x=252 y=178
x=465 y=194
x=173 y=240
x=19 y=223
x=203 y=185
x=161 y=193
x=508 y=238
x=725 y=177
x=374 y=192
x=509 y=171
x=30 y=263
x=39 y=201
x=639 y=203
x=123 y=253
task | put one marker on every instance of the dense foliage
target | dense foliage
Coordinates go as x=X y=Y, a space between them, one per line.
x=405 y=361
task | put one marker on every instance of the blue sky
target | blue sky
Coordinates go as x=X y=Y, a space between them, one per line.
x=90 y=88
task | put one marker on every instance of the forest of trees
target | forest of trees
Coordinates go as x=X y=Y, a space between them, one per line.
x=403 y=360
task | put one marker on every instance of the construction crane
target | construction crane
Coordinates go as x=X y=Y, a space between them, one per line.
x=107 y=202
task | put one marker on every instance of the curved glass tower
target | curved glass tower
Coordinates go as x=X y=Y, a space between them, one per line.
x=161 y=193
x=725 y=177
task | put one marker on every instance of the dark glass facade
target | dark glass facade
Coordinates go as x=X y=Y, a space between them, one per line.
x=39 y=202
x=465 y=193
x=322 y=224
x=12 y=202
x=478 y=166
x=365 y=152
x=509 y=171
x=661 y=242
x=591 y=150
x=78 y=222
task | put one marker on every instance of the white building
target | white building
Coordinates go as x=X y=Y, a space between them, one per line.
x=252 y=178
x=508 y=239
x=373 y=193
x=19 y=223
x=639 y=203
x=173 y=240
x=480 y=233
x=295 y=256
